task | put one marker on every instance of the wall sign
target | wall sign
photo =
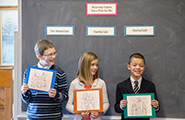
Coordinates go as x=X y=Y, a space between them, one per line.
x=138 y=30
x=101 y=31
x=59 y=31
x=101 y=8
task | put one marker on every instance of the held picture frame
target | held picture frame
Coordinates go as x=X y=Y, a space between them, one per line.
x=139 y=105
x=40 y=79
x=88 y=100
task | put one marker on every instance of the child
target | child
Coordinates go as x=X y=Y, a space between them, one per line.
x=136 y=66
x=87 y=78
x=46 y=106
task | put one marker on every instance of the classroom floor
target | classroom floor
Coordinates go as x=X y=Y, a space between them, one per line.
x=26 y=119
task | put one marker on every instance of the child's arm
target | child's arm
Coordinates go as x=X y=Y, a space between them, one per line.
x=52 y=93
x=61 y=91
x=24 y=88
x=123 y=104
x=105 y=98
x=155 y=104
x=119 y=98
x=26 y=93
x=69 y=105
x=85 y=114
x=95 y=115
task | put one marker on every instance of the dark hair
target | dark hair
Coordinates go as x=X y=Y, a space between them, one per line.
x=136 y=55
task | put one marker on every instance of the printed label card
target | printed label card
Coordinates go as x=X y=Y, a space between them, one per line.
x=101 y=8
x=138 y=30
x=59 y=31
x=101 y=31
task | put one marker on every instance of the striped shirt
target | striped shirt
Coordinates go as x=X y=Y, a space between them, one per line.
x=43 y=107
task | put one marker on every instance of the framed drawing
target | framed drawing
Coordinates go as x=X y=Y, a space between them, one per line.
x=139 y=105
x=88 y=100
x=39 y=79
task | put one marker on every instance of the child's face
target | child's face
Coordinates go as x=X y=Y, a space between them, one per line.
x=49 y=56
x=136 y=67
x=94 y=67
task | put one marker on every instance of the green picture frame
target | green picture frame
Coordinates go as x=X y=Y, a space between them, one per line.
x=139 y=105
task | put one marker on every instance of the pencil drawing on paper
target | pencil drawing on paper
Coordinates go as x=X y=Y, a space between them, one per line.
x=40 y=79
x=88 y=100
x=139 y=106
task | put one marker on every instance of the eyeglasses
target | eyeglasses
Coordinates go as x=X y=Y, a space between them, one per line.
x=51 y=54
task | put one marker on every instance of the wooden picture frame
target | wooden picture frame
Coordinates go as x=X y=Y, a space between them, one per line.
x=88 y=100
x=139 y=105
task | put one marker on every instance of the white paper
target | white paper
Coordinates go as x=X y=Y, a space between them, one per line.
x=40 y=79
x=139 y=105
x=88 y=100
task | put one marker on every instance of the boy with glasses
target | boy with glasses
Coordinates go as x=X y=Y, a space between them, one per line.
x=46 y=106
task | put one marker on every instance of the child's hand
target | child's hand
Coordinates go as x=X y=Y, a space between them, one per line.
x=155 y=103
x=123 y=103
x=95 y=115
x=85 y=114
x=24 y=88
x=52 y=93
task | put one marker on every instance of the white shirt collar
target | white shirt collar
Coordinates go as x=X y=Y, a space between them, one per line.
x=132 y=81
x=40 y=66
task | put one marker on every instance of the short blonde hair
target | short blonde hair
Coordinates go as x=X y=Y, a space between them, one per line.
x=84 y=68
x=42 y=45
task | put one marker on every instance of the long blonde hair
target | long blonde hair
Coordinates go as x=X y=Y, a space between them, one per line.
x=84 y=68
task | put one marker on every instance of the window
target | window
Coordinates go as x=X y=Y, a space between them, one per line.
x=8 y=2
x=8 y=24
